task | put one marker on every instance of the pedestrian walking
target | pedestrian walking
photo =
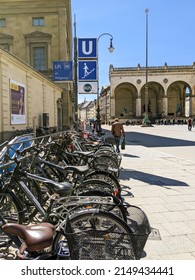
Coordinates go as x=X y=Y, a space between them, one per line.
x=117 y=131
x=189 y=123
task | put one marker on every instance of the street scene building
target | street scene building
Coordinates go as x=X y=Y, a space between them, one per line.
x=40 y=33
x=27 y=97
x=171 y=91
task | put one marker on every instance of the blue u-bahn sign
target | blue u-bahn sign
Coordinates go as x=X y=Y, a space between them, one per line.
x=87 y=48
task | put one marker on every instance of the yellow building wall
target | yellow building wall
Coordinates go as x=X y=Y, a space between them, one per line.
x=58 y=25
x=41 y=94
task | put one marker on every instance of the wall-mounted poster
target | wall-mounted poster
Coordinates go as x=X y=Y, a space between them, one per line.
x=17 y=99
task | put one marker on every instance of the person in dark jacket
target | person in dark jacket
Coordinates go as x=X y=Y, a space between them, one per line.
x=189 y=122
x=117 y=131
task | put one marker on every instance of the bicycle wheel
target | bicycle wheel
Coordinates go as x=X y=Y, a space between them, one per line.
x=107 y=152
x=11 y=211
x=106 y=177
x=104 y=162
x=93 y=184
x=97 y=235
x=29 y=208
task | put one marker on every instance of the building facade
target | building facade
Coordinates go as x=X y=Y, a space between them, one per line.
x=170 y=92
x=27 y=98
x=105 y=104
x=39 y=32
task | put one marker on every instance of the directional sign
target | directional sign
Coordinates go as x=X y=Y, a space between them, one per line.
x=87 y=48
x=87 y=70
x=87 y=87
x=62 y=70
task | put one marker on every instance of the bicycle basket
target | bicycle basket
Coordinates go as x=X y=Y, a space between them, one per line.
x=140 y=226
x=97 y=235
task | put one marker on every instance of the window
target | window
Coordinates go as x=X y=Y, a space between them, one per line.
x=6 y=41
x=39 y=58
x=39 y=21
x=5 y=46
x=38 y=49
x=2 y=22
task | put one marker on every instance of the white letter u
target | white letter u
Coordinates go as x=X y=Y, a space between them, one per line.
x=84 y=48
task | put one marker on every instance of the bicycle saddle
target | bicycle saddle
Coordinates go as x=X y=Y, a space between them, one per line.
x=36 y=237
x=83 y=169
x=61 y=188
x=83 y=153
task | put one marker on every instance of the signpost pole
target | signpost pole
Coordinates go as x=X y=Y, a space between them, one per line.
x=75 y=79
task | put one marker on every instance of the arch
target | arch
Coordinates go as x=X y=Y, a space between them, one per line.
x=177 y=93
x=125 y=100
x=156 y=94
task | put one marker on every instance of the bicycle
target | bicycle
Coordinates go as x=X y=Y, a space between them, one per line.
x=78 y=175
x=89 y=234
x=60 y=210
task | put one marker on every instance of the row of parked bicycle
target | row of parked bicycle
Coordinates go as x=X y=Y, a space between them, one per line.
x=61 y=198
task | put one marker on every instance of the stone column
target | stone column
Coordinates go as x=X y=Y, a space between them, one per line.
x=165 y=105
x=187 y=106
x=138 y=107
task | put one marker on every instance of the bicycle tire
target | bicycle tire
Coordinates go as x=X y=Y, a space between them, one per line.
x=93 y=184
x=11 y=211
x=30 y=210
x=104 y=162
x=106 y=177
x=107 y=152
x=97 y=235
x=11 y=208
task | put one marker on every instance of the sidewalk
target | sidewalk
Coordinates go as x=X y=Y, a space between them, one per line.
x=158 y=170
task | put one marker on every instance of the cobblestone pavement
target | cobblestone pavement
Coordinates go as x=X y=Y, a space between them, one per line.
x=158 y=175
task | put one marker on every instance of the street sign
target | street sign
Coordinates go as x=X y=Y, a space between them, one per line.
x=87 y=87
x=87 y=48
x=87 y=70
x=62 y=70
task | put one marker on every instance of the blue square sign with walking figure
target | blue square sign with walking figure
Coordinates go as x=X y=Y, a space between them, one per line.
x=87 y=70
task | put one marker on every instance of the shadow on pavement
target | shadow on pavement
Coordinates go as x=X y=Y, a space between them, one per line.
x=131 y=156
x=126 y=174
x=147 y=140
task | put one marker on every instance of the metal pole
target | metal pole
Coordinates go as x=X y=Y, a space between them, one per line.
x=75 y=78
x=146 y=119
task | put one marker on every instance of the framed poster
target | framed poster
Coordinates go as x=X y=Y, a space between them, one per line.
x=17 y=103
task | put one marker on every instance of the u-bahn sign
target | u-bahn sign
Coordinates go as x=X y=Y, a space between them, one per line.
x=87 y=48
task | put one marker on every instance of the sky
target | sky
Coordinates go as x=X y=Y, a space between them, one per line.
x=171 y=38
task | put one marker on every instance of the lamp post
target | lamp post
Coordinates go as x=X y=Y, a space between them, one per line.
x=146 y=118
x=98 y=116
